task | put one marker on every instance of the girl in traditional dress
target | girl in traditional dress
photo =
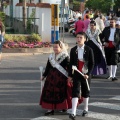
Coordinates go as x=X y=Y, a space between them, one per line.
x=94 y=42
x=57 y=91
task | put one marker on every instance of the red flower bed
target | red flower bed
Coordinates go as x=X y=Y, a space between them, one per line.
x=26 y=45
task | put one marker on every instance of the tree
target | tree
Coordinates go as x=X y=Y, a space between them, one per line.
x=117 y=4
x=102 y=5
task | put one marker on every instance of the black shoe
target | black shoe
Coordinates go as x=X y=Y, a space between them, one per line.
x=72 y=117
x=109 y=78
x=84 y=113
x=50 y=112
x=64 y=110
x=114 y=79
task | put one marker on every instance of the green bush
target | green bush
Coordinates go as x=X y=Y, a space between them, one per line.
x=2 y=16
x=23 y=38
x=34 y=38
x=8 y=37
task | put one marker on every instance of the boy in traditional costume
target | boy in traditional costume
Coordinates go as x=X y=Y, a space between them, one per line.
x=81 y=58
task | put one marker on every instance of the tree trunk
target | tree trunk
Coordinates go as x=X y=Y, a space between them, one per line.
x=1 y=3
x=24 y=16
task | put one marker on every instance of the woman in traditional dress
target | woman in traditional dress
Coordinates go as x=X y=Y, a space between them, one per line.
x=94 y=42
x=57 y=91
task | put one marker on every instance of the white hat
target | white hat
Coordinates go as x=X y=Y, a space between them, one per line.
x=118 y=22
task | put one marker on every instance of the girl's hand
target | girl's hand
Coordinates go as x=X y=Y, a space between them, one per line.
x=86 y=76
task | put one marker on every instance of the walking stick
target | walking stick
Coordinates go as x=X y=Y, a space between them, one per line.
x=75 y=68
x=41 y=72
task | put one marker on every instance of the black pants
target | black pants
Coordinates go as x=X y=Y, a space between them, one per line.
x=79 y=83
x=111 y=56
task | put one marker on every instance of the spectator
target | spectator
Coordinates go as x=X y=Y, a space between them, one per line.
x=111 y=12
x=118 y=24
x=91 y=15
x=100 y=22
x=84 y=12
x=87 y=13
x=79 y=26
x=118 y=12
x=78 y=14
x=2 y=33
x=86 y=23
x=96 y=14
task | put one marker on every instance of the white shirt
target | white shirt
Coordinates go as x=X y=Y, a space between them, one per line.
x=112 y=33
x=80 y=52
x=78 y=15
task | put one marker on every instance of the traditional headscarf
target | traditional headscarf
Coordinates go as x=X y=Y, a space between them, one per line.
x=62 y=46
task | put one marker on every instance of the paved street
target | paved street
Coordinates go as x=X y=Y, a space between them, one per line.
x=20 y=91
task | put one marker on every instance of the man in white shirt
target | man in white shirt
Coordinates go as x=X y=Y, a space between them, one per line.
x=111 y=41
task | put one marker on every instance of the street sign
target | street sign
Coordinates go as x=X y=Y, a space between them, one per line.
x=54 y=22
x=54 y=15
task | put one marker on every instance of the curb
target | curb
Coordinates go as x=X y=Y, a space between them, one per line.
x=26 y=51
x=4 y=55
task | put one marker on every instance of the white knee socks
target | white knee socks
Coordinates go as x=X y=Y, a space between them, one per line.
x=110 y=70
x=114 y=69
x=74 y=105
x=86 y=100
x=75 y=102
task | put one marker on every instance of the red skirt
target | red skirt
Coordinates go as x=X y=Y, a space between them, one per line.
x=66 y=102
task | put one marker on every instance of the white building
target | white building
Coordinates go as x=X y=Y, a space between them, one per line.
x=42 y=13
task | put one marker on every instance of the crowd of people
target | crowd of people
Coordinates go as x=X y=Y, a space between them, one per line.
x=68 y=78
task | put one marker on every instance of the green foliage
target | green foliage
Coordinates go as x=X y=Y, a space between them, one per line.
x=5 y=5
x=102 y=5
x=2 y=16
x=34 y=38
x=30 y=20
x=117 y=4
x=23 y=38
x=76 y=4
x=8 y=37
